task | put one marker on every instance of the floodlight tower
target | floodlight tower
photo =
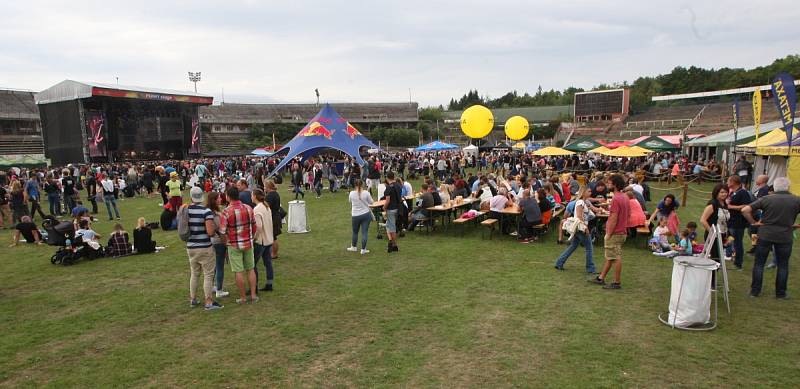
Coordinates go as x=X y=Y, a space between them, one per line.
x=195 y=78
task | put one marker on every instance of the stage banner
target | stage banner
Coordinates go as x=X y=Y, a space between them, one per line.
x=194 y=148
x=786 y=100
x=96 y=126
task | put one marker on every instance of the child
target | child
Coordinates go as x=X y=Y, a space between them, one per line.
x=692 y=227
x=683 y=248
x=660 y=241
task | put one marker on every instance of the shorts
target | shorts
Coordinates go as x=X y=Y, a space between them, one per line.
x=613 y=246
x=241 y=260
x=391 y=221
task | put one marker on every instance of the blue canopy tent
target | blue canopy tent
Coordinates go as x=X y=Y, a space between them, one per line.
x=436 y=146
x=327 y=130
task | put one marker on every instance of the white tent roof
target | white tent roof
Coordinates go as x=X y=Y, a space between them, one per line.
x=471 y=147
x=726 y=137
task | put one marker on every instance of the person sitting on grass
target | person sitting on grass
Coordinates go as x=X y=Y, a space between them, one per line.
x=143 y=241
x=27 y=229
x=118 y=242
x=86 y=232
x=682 y=248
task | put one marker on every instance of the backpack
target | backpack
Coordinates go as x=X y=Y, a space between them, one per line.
x=183 y=224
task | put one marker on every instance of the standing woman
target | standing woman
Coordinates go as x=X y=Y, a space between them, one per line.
x=583 y=210
x=220 y=250
x=274 y=203
x=361 y=214
x=18 y=207
x=716 y=213
x=263 y=237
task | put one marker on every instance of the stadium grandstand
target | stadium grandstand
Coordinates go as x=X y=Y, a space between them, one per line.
x=224 y=125
x=20 y=126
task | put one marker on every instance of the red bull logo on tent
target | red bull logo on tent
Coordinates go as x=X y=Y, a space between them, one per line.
x=316 y=129
x=351 y=131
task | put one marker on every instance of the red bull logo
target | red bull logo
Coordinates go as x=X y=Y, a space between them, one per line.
x=351 y=131
x=316 y=129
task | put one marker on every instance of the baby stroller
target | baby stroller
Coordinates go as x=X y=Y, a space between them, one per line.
x=57 y=231
x=75 y=249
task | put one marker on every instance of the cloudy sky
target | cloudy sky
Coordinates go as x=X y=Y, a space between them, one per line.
x=375 y=51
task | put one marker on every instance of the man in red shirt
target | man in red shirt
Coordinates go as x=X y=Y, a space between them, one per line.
x=237 y=226
x=616 y=231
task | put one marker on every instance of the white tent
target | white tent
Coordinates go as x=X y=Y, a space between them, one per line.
x=471 y=150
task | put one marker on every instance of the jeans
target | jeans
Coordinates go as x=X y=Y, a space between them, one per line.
x=219 y=251
x=265 y=253
x=782 y=253
x=738 y=244
x=55 y=203
x=93 y=200
x=35 y=206
x=111 y=202
x=580 y=238
x=361 y=222
x=69 y=202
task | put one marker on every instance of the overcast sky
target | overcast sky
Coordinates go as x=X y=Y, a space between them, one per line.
x=375 y=51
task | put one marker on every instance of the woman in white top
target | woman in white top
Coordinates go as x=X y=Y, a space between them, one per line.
x=583 y=212
x=444 y=193
x=360 y=201
x=263 y=237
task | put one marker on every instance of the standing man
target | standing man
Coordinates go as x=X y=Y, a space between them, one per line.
x=760 y=190
x=32 y=191
x=245 y=196
x=778 y=214
x=5 y=209
x=616 y=231
x=68 y=185
x=108 y=197
x=393 y=201
x=91 y=191
x=739 y=197
x=201 y=254
x=238 y=223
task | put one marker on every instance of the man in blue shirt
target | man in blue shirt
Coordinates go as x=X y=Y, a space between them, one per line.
x=32 y=193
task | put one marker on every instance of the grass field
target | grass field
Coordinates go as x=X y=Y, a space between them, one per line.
x=446 y=311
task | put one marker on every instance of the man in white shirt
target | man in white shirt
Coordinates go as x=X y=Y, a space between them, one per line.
x=499 y=202
x=108 y=197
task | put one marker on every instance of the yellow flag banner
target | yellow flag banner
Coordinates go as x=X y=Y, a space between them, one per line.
x=757 y=111
x=793 y=174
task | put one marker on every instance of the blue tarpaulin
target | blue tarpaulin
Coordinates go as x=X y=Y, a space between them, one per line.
x=327 y=130
x=436 y=146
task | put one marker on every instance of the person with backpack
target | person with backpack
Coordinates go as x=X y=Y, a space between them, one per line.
x=195 y=227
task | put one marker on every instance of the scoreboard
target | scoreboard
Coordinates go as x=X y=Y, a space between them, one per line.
x=602 y=105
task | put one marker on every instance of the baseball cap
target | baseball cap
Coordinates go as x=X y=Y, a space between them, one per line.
x=197 y=194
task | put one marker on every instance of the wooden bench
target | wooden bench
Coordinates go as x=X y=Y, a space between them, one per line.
x=491 y=224
x=463 y=221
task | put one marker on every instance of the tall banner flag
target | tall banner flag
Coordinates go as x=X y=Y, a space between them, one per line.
x=757 y=112
x=96 y=124
x=786 y=100
x=195 y=146
x=735 y=121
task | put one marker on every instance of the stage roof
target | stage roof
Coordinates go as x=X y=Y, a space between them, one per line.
x=73 y=90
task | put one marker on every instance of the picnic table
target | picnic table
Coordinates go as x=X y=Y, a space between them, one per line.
x=446 y=209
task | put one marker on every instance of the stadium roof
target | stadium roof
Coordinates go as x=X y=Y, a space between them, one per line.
x=16 y=104
x=723 y=92
x=228 y=113
x=533 y=114
x=744 y=135
x=73 y=90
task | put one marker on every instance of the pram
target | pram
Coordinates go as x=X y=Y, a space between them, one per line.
x=75 y=249
x=57 y=231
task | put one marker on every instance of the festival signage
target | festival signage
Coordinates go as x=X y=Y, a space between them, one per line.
x=96 y=130
x=151 y=96
x=785 y=100
x=757 y=111
x=194 y=147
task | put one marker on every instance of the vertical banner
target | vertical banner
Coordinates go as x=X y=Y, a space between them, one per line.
x=194 y=148
x=757 y=112
x=786 y=100
x=735 y=121
x=96 y=124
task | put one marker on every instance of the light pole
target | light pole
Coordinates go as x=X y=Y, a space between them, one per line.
x=195 y=78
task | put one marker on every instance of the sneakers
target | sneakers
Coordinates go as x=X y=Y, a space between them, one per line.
x=241 y=301
x=771 y=265
x=352 y=249
x=254 y=299
x=597 y=280
x=194 y=303
x=364 y=251
x=213 y=306
x=266 y=288
x=613 y=285
x=559 y=267
x=221 y=293
x=524 y=241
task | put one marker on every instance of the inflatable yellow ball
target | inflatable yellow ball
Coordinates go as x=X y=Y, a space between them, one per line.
x=516 y=127
x=477 y=121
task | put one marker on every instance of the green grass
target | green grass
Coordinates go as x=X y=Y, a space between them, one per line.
x=445 y=311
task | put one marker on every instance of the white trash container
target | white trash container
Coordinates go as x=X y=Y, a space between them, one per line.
x=297 y=223
x=690 y=298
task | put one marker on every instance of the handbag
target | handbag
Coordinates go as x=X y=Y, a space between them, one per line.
x=282 y=213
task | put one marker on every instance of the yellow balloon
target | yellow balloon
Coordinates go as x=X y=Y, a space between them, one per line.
x=477 y=121
x=516 y=127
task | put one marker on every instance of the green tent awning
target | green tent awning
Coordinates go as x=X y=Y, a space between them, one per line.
x=582 y=144
x=656 y=144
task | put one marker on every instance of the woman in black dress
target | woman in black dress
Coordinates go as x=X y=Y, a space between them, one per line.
x=274 y=202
